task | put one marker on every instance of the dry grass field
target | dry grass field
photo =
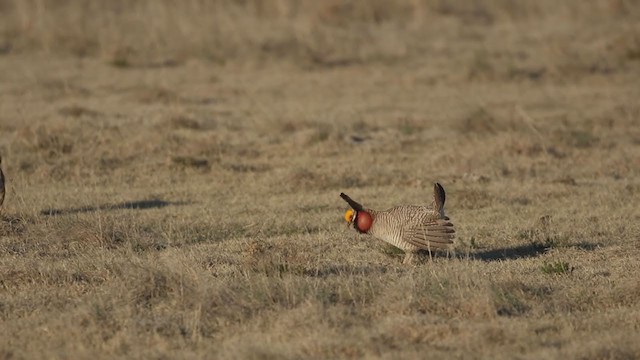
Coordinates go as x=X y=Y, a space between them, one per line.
x=174 y=168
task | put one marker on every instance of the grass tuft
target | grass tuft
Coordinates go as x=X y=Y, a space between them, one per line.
x=556 y=268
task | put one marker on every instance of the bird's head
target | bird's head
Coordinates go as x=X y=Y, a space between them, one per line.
x=349 y=216
x=360 y=218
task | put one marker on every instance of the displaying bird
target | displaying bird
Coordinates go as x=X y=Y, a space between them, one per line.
x=409 y=227
x=1 y=183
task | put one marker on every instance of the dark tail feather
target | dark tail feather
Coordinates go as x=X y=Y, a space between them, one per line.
x=351 y=202
x=439 y=196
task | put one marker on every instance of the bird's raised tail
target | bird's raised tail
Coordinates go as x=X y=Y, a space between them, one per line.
x=439 y=196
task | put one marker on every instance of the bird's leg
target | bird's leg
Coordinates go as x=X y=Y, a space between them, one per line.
x=408 y=258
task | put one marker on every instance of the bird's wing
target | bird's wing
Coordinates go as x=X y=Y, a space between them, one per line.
x=435 y=234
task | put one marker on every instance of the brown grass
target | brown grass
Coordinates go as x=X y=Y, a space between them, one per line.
x=174 y=170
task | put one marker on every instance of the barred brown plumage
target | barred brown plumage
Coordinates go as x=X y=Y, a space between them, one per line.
x=410 y=227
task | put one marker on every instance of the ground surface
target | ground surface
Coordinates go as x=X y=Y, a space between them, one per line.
x=173 y=193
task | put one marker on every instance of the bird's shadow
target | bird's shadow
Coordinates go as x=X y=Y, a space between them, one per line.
x=509 y=253
x=523 y=251
x=132 y=205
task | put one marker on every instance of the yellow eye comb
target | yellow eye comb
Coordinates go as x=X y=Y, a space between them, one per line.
x=349 y=216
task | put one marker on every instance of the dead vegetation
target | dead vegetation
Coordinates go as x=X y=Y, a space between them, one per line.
x=173 y=173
